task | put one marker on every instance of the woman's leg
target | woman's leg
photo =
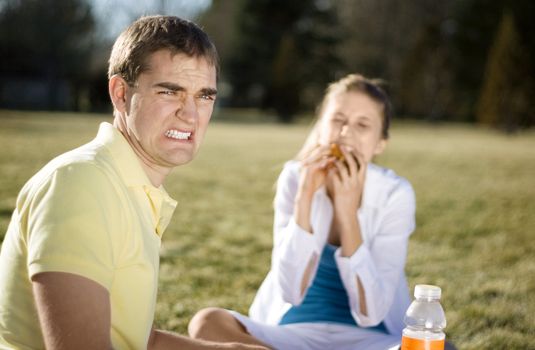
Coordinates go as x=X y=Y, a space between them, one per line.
x=217 y=324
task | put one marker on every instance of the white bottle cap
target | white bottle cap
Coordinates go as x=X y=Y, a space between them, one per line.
x=427 y=291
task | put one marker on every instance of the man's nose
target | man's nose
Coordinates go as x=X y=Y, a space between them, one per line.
x=187 y=110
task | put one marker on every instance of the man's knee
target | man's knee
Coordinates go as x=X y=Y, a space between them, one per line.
x=207 y=321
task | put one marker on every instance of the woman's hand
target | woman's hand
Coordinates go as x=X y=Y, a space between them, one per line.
x=312 y=177
x=346 y=184
x=313 y=170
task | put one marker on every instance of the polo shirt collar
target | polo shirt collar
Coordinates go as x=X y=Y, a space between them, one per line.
x=133 y=175
x=124 y=157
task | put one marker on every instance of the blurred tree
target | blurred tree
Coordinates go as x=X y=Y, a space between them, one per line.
x=378 y=33
x=408 y=45
x=475 y=42
x=424 y=78
x=218 y=21
x=506 y=99
x=432 y=54
x=476 y=22
x=285 y=52
x=427 y=76
x=48 y=40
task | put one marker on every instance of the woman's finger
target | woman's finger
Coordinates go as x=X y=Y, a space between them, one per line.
x=317 y=154
x=343 y=171
x=334 y=174
x=350 y=159
x=362 y=164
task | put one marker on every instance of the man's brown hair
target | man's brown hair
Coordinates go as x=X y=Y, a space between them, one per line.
x=153 y=33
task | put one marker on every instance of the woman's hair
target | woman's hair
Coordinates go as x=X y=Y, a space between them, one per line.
x=130 y=53
x=350 y=83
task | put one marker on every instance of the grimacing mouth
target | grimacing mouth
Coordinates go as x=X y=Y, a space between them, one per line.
x=178 y=135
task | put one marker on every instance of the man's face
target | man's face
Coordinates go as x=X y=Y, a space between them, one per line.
x=168 y=110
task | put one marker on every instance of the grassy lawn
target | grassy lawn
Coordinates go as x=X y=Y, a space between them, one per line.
x=475 y=216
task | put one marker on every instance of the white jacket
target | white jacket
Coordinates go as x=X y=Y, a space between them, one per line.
x=386 y=218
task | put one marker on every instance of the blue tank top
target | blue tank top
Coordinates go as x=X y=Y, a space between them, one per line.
x=326 y=299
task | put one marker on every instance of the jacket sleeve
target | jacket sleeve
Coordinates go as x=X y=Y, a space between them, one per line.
x=293 y=247
x=379 y=264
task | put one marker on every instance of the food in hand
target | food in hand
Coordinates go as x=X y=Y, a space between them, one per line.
x=337 y=152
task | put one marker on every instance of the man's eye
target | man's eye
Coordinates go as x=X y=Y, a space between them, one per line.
x=207 y=97
x=166 y=92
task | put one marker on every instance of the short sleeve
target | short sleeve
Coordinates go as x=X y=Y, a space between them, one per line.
x=72 y=217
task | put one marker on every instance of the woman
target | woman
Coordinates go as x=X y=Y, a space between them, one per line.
x=341 y=231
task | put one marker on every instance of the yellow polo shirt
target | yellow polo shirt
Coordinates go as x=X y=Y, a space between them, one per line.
x=91 y=212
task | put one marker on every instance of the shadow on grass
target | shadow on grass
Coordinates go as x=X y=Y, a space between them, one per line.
x=6 y=213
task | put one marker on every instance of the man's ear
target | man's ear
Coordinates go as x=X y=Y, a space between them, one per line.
x=380 y=147
x=117 y=87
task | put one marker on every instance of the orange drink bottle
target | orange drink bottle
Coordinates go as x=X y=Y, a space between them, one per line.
x=424 y=320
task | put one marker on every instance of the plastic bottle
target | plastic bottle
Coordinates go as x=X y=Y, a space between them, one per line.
x=424 y=320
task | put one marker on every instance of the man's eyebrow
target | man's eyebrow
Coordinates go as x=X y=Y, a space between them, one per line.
x=176 y=87
x=169 y=86
x=209 y=91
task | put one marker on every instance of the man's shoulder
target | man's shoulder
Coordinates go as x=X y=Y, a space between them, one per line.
x=89 y=165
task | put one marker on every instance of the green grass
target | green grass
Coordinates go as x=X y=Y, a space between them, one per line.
x=475 y=217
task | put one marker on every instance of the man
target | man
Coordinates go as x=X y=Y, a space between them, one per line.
x=79 y=263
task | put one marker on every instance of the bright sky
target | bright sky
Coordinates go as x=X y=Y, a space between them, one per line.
x=115 y=15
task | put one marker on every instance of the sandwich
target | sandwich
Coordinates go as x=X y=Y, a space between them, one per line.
x=336 y=152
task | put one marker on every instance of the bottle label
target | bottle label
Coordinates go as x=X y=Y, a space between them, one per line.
x=421 y=344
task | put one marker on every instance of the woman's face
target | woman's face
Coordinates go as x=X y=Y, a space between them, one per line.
x=354 y=120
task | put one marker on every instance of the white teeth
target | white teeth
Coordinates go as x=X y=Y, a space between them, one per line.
x=175 y=134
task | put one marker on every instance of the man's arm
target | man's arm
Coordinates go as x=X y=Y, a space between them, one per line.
x=74 y=311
